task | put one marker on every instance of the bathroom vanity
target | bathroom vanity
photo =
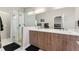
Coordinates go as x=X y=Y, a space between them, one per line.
x=54 y=40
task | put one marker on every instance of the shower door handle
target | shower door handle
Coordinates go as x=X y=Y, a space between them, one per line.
x=19 y=25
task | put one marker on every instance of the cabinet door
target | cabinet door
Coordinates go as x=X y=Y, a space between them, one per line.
x=71 y=43
x=47 y=42
x=41 y=37
x=33 y=35
x=53 y=42
x=64 y=42
x=44 y=39
x=58 y=42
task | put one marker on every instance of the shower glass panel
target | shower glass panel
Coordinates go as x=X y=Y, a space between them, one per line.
x=17 y=26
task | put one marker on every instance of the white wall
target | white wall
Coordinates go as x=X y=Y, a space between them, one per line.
x=67 y=13
x=5 y=15
x=77 y=17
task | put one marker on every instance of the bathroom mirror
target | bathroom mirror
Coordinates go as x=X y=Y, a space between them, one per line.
x=58 y=22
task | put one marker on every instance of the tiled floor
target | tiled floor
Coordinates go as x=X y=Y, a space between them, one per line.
x=8 y=41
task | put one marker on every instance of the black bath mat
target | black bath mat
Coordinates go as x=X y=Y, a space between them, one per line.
x=32 y=48
x=11 y=47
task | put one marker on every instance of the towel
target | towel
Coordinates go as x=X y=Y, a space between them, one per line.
x=1 y=24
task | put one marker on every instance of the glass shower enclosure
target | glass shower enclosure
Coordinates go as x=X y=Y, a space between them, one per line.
x=17 y=24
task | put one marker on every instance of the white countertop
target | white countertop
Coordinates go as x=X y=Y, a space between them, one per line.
x=68 y=32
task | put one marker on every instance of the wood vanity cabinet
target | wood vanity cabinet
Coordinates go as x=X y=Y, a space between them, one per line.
x=54 y=41
x=48 y=41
